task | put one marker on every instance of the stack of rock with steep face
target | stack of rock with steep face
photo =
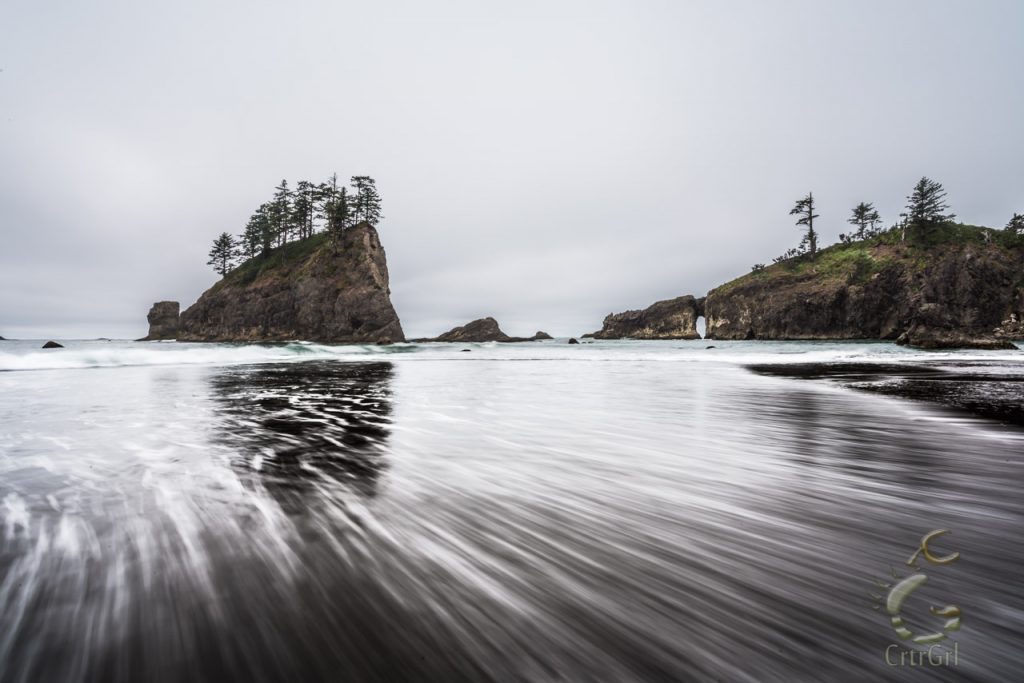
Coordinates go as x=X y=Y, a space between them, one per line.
x=338 y=292
x=163 y=321
x=670 y=319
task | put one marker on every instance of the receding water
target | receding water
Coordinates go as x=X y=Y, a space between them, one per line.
x=615 y=511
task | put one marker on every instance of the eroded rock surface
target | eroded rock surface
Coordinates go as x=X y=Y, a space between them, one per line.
x=328 y=292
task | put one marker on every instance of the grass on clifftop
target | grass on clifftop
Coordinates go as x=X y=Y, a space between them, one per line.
x=290 y=253
x=856 y=262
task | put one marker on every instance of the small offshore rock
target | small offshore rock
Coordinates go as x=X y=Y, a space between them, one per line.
x=573 y=340
x=482 y=330
x=52 y=345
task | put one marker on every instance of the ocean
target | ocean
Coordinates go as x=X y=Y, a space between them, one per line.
x=609 y=511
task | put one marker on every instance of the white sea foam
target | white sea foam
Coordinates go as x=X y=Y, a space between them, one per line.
x=92 y=354
x=107 y=355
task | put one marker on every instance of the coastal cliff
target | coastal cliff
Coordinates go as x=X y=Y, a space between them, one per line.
x=315 y=289
x=669 y=319
x=952 y=293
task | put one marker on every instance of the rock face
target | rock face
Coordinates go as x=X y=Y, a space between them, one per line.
x=950 y=295
x=313 y=290
x=932 y=338
x=934 y=327
x=163 y=321
x=670 y=319
x=1011 y=328
x=482 y=330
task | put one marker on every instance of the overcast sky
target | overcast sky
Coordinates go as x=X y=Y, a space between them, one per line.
x=545 y=163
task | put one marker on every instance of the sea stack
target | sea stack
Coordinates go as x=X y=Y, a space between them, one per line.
x=163 y=321
x=324 y=289
x=669 y=319
x=481 y=330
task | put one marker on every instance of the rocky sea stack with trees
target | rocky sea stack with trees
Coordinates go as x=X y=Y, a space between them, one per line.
x=925 y=281
x=308 y=265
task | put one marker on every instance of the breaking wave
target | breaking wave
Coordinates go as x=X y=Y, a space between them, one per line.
x=25 y=355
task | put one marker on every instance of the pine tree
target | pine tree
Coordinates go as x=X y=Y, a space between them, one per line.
x=266 y=227
x=865 y=217
x=303 y=209
x=339 y=216
x=1016 y=224
x=222 y=254
x=325 y=195
x=252 y=237
x=366 y=204
x=281 y=212
x=804 y=208
x=926 y=208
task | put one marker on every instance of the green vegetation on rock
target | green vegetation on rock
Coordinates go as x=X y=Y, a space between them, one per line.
x=295 y=217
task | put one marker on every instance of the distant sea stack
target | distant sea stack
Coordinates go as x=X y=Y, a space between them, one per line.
x=482 y=330
x=951 y=294
x=670 y=319
x=317 y=289
x=163 y=321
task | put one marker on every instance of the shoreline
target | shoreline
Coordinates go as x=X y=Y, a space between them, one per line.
x=948 y=383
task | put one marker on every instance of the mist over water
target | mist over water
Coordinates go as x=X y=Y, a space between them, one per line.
x=617 y=511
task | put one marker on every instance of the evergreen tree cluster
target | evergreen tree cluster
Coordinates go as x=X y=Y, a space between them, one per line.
x=926 y=211
x=298 y=213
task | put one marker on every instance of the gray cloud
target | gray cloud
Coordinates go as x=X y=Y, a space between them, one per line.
x=545 y=163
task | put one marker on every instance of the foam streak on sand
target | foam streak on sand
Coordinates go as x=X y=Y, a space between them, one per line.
x=536 y=511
